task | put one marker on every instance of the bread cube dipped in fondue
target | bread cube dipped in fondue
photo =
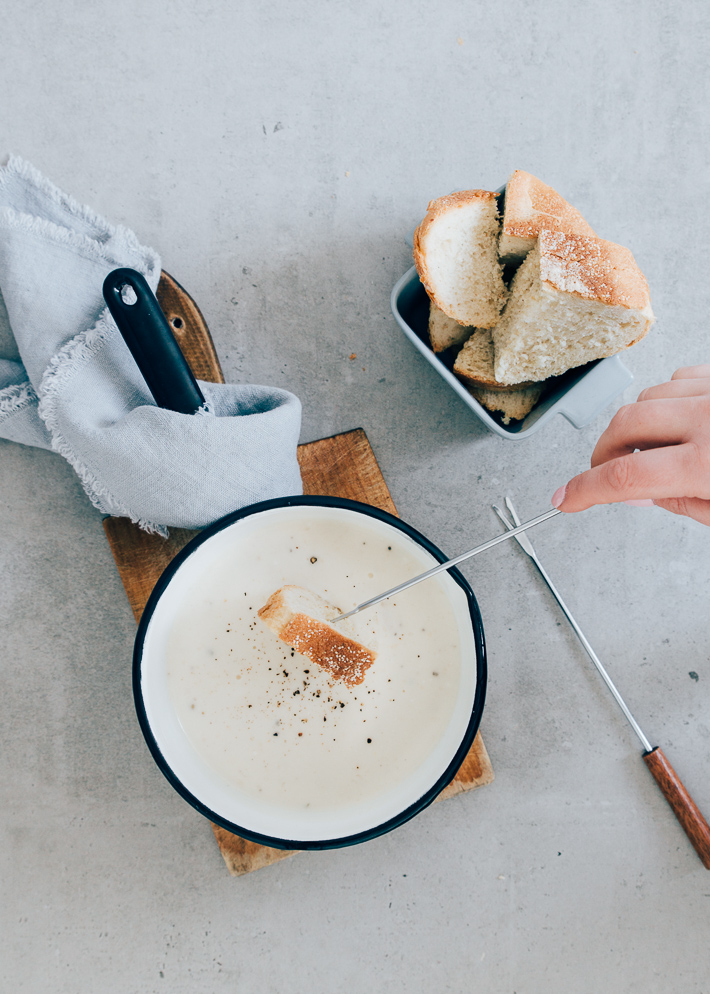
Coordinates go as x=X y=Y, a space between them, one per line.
x=301 y=619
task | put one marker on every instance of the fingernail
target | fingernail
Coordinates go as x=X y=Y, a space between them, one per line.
x=640 y=503
x=559 y=496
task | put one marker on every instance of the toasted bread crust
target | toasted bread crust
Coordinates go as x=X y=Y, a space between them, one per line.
x=343 y=657
x=493 y=384
x=531 y=205
x=513 y=405
x=435 y=209
x=594 y=269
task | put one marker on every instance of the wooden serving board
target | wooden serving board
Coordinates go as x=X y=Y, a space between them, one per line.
x=341 y=466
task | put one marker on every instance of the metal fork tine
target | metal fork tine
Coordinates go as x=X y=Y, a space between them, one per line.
x=522 y=540
x=503 y=516
x=513 y=512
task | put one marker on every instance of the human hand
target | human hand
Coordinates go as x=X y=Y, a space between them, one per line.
x=670 y=426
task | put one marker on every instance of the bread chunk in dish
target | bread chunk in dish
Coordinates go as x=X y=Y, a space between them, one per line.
x=475 y=367
x=530 y=207
x=456 y=255
x=445 y=332
x=302 y=620
x=573 y=299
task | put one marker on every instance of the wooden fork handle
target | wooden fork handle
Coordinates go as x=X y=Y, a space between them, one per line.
x=684 y=807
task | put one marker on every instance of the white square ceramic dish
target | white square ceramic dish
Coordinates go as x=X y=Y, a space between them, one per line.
x=580 y=395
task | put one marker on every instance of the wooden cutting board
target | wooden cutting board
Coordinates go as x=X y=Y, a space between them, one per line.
x=341 y=466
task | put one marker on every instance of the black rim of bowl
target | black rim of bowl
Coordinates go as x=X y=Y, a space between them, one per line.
x=476 y=710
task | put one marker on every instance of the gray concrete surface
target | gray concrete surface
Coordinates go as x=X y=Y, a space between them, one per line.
x=276 y=154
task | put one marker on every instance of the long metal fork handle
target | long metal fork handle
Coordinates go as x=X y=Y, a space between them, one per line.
x=528 y=548
x=448 y=565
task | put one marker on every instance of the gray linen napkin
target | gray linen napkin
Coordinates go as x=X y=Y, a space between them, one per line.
x=69 y=383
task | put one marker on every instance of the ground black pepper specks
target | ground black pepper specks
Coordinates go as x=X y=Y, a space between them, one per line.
x=256 y=680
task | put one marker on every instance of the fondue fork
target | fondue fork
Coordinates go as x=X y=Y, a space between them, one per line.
x=447 y=565
x=682 y=804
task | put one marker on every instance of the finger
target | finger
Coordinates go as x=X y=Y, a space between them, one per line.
x=676 y=388
x=645 y=426
x=691 y=507
x=658 y=474
x=691 y=372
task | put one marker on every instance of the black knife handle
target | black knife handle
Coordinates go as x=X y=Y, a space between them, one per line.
x=152 y=344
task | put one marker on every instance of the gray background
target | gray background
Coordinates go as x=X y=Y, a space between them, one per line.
x=276 y=154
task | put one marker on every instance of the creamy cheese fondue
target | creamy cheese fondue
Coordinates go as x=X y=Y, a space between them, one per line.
x=268 y=721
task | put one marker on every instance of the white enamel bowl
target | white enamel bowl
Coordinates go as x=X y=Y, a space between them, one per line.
x=236 y=810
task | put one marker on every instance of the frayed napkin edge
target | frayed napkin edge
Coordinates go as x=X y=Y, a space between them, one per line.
x=86 y=343
x=91 y=248
x=15 y=397
x=21 y=168
x=61 y=368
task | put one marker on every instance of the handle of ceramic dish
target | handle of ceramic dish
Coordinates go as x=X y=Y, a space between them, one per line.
x=147 y=334
x=684 y=807
x=595 y=390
